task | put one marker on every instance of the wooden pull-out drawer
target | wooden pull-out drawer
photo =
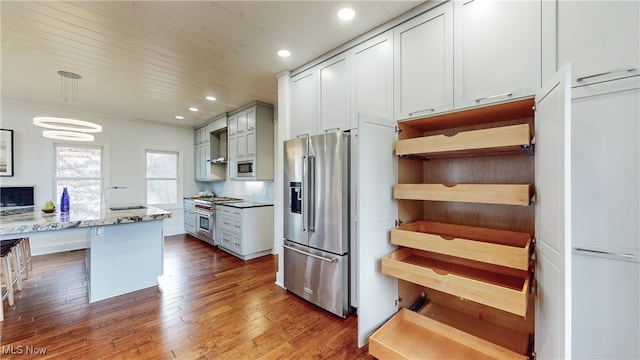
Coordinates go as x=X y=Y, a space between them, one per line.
x=504 y=194
x=409 y=335
x=485 y=141
x=507 y=292
x=498 y=247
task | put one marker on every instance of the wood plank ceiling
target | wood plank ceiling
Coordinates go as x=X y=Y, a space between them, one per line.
x=152 y=60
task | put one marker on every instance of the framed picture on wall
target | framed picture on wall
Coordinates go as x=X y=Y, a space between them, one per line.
x=6 y=152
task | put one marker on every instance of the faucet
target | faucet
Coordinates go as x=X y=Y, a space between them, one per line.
x=104 y=193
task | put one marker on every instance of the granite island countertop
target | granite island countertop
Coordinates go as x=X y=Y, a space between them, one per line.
x=78 y=217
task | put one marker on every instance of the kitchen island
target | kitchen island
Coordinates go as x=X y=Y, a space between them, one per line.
x=126 y=245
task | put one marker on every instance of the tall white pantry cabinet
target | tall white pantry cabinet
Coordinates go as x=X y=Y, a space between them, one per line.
x=570 y=197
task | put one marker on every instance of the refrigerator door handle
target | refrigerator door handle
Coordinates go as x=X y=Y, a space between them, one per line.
x=312 y=193
x=309 y=254
x=305 y=194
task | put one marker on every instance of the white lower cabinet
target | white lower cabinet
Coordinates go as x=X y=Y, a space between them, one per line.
x=245 y=232
x=189 y=217
x=606 y=217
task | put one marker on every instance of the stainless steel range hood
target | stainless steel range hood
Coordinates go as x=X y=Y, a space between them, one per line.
x=219 y=160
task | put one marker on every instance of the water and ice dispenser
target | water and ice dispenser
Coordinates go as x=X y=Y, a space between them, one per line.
x=296 y=197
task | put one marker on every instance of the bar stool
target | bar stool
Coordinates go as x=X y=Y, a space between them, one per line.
x=7 y=280
x=23 y=248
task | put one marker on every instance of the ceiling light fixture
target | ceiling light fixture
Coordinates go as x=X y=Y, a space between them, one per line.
x=65 y=128
x=179 y=117
x=284 y=53
x=69 y=86
x=193 y=109
x=64 y=124
x=346 y=14
x=67 y=135
x=211 y=98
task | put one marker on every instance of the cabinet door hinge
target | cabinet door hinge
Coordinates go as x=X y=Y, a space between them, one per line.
x=398 y=222
x=397 y=130
x=398 y=301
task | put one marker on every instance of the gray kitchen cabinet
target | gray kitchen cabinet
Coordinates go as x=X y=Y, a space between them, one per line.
x=189 y=216
x=247 y=232
x=372 y=79
x=334 y=94
x=252 y=141
x=424 y=64
x=202 y=154
x=497 y=51
x=232 y=143
x=211 y=143
x=303 y=104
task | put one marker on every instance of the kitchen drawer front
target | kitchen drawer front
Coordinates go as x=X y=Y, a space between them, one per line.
x=499 y=290
x=499 y=247
x=226 y=239
x=226 y=223
x=237 y=244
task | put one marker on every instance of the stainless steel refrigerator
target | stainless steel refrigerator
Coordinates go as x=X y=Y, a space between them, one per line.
x=316 y=220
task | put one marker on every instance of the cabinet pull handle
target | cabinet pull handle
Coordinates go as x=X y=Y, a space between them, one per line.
x=422 y=111
x=332 y=129
x=309 y=254
x=601 y=252
x=302 y=135
x=605 y=73
x=508 y=93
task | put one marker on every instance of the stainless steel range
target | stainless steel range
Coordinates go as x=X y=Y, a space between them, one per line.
x=205 y=210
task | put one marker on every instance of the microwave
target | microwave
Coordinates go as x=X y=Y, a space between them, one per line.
x=246 y=168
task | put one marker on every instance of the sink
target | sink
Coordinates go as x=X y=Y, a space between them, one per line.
x=132 y=207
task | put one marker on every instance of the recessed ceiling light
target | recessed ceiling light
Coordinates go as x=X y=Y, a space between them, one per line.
x=284 y=53
x=193 y=108
x=211 y=98
x=346 y=14
x=179 y=117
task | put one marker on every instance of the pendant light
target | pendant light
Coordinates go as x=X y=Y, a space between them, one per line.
x=65 y=128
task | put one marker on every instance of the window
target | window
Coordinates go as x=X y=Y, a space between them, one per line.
x=162 y=177
x=79 y=169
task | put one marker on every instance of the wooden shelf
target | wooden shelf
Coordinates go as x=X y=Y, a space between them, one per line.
x=506 y=292
x=504 y=194
x=409 y=335
x=485 y=141
x=498 y=247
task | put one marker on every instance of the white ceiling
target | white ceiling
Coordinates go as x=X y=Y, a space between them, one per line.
x=152 y=60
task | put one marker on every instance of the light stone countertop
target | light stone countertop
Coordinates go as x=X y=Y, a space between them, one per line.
x=78 y=217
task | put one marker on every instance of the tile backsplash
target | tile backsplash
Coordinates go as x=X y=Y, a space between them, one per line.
x=260 y=191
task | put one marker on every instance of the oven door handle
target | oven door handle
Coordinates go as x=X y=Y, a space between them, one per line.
x=309 y=254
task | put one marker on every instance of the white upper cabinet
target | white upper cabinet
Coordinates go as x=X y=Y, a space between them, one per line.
x=497 y=53
x=424 y=64
x=232 y=128
x=303 y=104
x=601 y=39
x=372 y=78
x=334 y=94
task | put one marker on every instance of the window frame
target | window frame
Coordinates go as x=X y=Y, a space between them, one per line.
x=179 y=180
x=56 y=178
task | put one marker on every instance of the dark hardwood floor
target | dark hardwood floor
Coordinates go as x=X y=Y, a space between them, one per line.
x=208 y=305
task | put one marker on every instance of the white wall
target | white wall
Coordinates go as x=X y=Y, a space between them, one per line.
x=124 y=142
